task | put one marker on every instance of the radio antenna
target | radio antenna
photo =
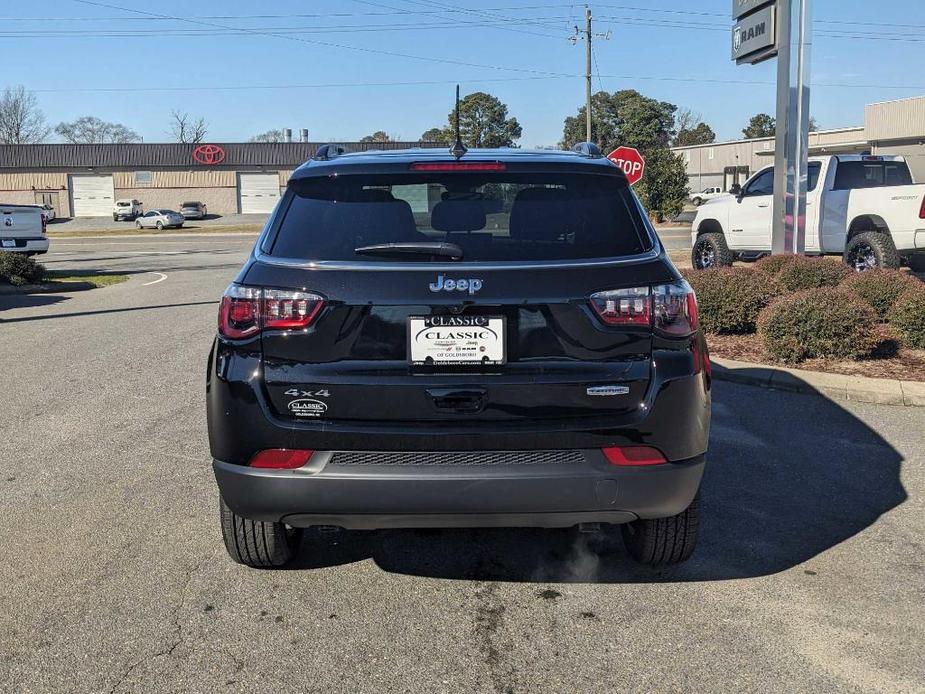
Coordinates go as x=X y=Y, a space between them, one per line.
x=458 y=149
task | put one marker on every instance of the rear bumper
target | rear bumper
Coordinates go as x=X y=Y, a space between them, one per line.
x=30 y=245
x=580 y=488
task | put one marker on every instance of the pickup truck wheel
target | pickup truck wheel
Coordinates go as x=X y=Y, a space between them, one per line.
x=664 y=540
x=697 y=202
x=871 y=249
x=258 y=544
x=710 y=250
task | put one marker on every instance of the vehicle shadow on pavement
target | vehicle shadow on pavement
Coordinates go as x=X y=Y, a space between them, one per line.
x=11 y=301
x=789 y=476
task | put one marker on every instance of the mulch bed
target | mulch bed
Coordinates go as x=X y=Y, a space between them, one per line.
x=888 y=360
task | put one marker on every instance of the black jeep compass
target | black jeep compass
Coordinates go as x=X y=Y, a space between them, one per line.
x=423 y=339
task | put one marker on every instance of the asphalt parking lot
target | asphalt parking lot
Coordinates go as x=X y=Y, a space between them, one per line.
x=809 y=576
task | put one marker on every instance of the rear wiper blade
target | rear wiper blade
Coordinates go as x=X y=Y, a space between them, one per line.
x=438 y=248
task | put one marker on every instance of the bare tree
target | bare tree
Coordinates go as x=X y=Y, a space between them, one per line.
x=21 y=120
x=186 y=129
x=269 y=136
x=686 y=119
x=91 y=130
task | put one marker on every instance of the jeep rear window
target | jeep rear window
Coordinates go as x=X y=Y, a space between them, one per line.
x=490 y=216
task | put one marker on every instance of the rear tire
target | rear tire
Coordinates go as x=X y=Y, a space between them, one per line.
x=710 y=250
x=871 y=249
x=669 y=540
x=160 y=226
x=258 y=544
x=697 y=202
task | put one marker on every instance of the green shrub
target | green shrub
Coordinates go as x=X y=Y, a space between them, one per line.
x=18 y=269
x=908 y=317
x=729 y=299
x=881 y=288
x=825 y=322
x=810 y=273
x=773 y=264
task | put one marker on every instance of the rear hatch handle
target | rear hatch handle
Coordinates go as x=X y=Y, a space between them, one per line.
x=459 y=400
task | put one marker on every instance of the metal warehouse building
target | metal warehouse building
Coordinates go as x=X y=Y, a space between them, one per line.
x=85 y=180
x=890 y=127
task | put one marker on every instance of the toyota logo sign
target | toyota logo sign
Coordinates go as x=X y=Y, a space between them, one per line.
x=209 y=154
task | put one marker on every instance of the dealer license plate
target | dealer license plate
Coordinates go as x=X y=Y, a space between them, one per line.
x=457 y=340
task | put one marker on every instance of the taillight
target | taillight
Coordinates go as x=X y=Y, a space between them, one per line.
x=628 y=456
x=674 y=309
x=623 y=306
x=922 y=209
x=281 y=458
x=245 y=311
x=44 y=226
x=670 y=309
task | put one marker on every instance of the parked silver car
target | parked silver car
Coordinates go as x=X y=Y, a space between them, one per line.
x=193 y=210
x=160 y=219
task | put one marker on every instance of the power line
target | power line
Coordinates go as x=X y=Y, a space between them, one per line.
x=326 y=44
x=471 y=80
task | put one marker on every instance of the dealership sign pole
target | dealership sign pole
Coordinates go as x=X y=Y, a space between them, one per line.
x=764 y=29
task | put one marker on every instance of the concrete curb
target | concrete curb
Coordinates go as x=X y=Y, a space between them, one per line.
x=883 y=391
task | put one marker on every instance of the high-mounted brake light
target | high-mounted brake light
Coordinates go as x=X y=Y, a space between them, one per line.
x=629 y=456
x=669 y=309
x=281 y=458
x=458 y=166
x=245 y=311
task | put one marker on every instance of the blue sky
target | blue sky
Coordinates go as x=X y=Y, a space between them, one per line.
x=673 y=50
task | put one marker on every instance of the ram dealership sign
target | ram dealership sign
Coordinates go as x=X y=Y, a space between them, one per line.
x=754 y=36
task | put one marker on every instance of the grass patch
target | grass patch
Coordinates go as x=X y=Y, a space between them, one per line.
x=97 y=280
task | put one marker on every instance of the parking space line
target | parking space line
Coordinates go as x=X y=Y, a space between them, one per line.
x=160 y=279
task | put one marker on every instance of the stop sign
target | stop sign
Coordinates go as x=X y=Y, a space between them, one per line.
x=630 y=160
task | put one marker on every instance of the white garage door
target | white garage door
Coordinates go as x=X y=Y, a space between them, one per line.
x=258 y=192
x=91 y=196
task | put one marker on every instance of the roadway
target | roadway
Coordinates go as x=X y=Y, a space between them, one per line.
x=808 y=578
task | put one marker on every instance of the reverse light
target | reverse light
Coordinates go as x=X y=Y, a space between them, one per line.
x=458 y=166
x=623 y=306
x=245 y=311
x=281 y=458
x=629 y=456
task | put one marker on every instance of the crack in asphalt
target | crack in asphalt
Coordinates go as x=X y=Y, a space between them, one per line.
x=177 y=628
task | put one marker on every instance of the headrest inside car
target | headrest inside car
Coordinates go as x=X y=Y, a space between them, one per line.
x=458 y=215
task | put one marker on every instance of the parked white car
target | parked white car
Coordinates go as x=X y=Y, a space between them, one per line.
x=706 y=194
x=160 y=219
x=22 y=229
x=127 y=209
x=865 y=208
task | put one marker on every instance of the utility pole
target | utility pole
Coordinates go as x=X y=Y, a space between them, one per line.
x=588 y=36
x=588 y=75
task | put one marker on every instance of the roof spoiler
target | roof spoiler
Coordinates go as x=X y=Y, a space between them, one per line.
x=328 y=152
x=588 y=149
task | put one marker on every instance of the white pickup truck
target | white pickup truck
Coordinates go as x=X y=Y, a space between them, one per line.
x=862 y=207
x=22 y=229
